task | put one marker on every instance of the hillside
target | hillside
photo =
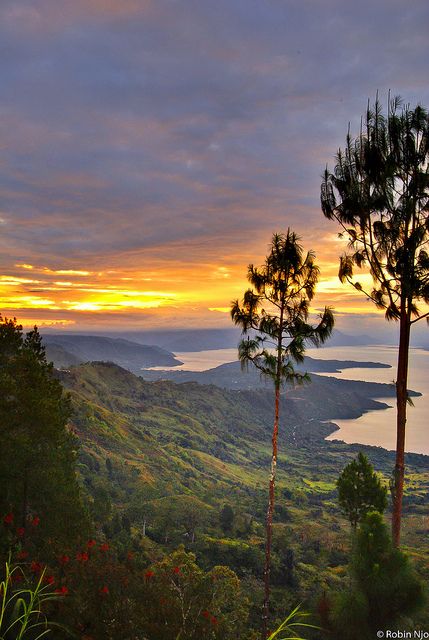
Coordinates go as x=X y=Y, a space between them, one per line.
x=167 y=457
x=186 y=437
x=66 y=350
x=115 y=406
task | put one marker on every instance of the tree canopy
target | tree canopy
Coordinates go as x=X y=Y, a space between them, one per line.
x=360 y=490
x=384 y=591
x=379 y=194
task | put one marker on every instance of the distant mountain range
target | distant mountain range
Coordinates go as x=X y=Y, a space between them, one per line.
x=176 y=340
x=208 y=339
x=66 y=350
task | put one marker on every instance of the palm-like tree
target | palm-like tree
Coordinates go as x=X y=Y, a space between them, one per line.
x=379 y=195
x=273 y=316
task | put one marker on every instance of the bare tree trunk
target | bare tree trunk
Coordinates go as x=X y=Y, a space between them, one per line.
x=269 y=521
x=401 y=419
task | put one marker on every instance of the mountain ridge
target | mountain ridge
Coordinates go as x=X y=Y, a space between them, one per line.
x=71 y=349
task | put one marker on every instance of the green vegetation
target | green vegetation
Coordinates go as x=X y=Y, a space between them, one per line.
x=38 y=452
x=175 y=447
x=173 y=479
x=385 y=590
x=360 y=490
x=21 y=615
x=379 y=194
x=292 y=625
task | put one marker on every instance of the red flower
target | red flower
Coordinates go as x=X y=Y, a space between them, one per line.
x=91 y=543
x=62 y=591
x=35 y=521
x=104 y=590
x=49 y=579
x=176 y=570
x=130 y=555
x=36 y=567
x=82 y=556
x=104 y=547
x=213 y=620
x=22 y=555
x=20 y=532
x=205 y=613
x=17 y=576
x=149 y=574
x=8 y=519
x=64 y=559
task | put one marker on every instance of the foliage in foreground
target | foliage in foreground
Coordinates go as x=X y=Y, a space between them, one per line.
x=21 y=615
x=384 y=590
x=34 y=411
x=292 y=626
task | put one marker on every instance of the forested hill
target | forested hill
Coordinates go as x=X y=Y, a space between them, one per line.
x=162 y=460
x=67 y=350
x=184 y=434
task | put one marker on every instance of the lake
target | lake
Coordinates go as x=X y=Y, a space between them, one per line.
x=376 y=428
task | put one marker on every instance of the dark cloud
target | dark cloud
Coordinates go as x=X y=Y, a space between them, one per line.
x=134 y=126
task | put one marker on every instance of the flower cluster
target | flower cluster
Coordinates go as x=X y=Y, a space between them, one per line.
x=65 y=562
x=31 y=521
x=209 y=617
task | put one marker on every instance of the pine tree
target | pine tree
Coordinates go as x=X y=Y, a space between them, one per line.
x=274 y=317
x=379 y=195
x=385 y=590
x=38 y=452
x=360 y=490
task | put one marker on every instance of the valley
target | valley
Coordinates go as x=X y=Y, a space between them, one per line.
x=170 y=456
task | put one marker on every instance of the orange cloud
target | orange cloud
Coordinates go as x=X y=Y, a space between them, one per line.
x=182 y=291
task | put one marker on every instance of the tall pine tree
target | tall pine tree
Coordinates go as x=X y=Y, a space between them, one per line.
x=274 y=318
x=38 y=452
x=379 y=195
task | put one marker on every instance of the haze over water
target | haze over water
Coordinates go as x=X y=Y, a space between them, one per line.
x=377 y=427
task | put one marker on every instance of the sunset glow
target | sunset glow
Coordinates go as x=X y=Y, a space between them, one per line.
x=149 y=151
x=87 y=296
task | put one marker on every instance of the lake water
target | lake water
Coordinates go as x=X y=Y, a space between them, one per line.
x=379 y=427
x=376 y=428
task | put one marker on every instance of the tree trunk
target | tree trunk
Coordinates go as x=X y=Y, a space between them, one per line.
x=401 y=419
x=269 y=522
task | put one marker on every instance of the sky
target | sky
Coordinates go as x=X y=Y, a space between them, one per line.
x=149 y=149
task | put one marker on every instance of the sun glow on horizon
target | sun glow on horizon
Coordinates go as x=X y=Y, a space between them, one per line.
x=183 y=291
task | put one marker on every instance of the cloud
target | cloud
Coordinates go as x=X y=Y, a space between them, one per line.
x=148 y=136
